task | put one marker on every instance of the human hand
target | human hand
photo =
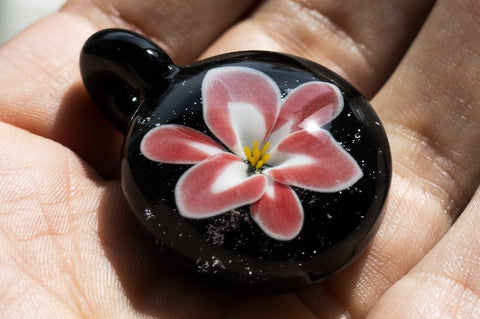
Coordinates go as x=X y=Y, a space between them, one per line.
x=72 y=248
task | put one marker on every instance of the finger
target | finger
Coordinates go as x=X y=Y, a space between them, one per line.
x=183 y=28
x=361 y=40
x=446 y=282
x=41 y=89
x=430 y=109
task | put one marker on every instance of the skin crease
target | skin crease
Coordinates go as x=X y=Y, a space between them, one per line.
x=71 y=247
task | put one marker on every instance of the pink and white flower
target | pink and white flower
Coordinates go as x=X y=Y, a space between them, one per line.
x=270 y=145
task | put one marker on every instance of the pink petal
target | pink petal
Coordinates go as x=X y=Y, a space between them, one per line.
x=216 y=185
x=177 y=144
x=279 y=212
x=310 y=105
x=240 y=105
x=314 y=161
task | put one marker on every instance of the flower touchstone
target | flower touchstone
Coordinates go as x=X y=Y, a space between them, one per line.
x=242 y=106
x=261 y=172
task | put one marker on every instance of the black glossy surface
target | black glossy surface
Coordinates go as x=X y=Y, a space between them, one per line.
x=118 y=68
x=230 y=250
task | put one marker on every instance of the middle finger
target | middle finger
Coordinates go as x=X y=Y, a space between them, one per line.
x=353 y=38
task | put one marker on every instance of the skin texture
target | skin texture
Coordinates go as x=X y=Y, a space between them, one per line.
x=71 y=247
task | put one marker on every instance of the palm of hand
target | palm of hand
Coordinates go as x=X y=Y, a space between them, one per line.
x=72 y=248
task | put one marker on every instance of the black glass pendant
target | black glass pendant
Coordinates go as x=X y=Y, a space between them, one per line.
x=255 y=171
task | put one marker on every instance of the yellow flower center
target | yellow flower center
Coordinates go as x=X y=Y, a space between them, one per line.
x=256 y=156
